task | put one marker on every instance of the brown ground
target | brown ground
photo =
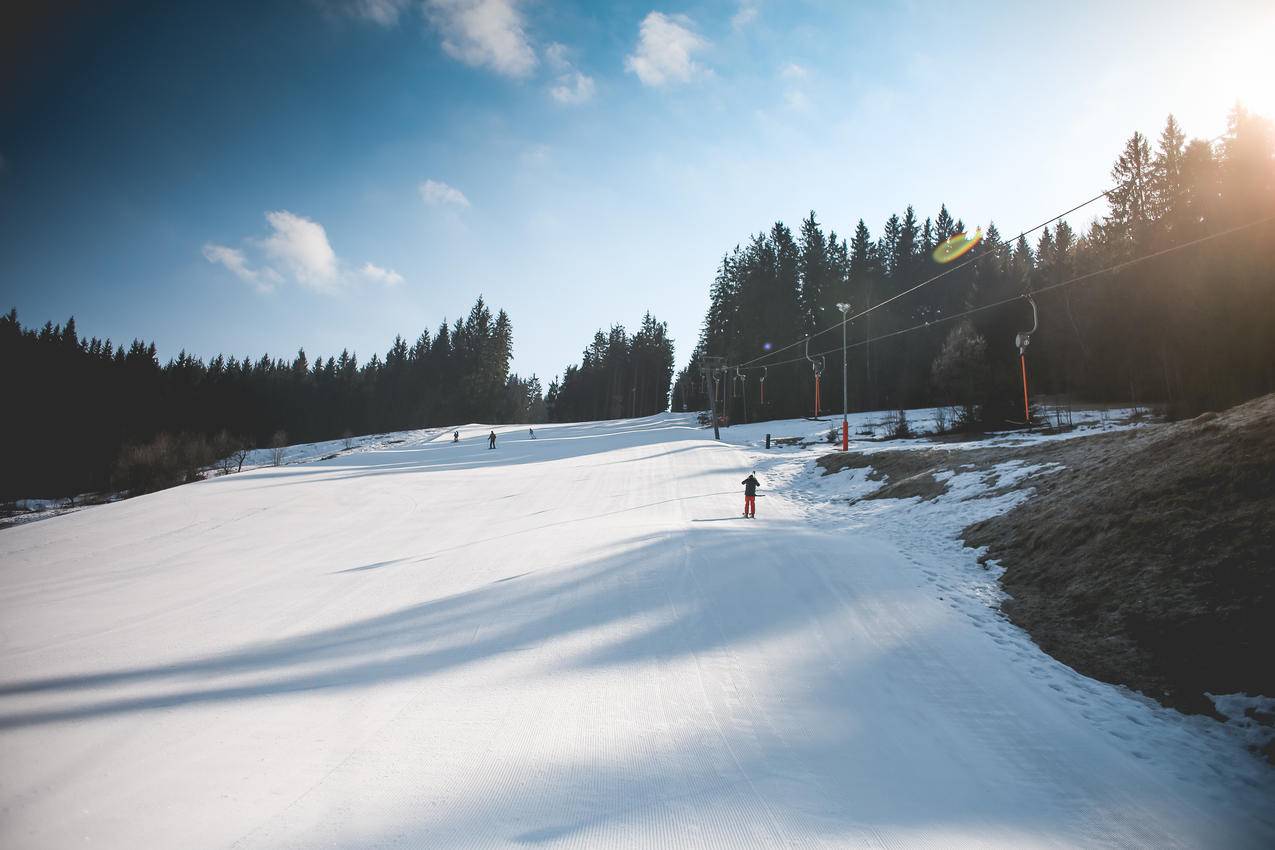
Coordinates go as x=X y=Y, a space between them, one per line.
x=1148 y=561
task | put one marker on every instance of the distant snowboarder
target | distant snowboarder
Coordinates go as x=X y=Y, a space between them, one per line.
x=455 y=436
x=750 y=495
x=491 y=440
x=532 y=432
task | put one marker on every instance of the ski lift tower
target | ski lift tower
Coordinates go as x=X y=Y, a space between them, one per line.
x=845 y=399
x=1023 y=340
x=712 y=366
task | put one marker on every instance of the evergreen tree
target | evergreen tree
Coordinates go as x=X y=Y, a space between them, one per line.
x=186 y=402
x=1132 y=199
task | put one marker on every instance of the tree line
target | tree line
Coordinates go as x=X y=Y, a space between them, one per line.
x=79 y=405
x=619 y=375
x=1190 y=330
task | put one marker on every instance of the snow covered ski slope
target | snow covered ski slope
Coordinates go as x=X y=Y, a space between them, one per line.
x=566 y=642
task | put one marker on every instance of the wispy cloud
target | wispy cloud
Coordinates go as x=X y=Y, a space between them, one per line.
x=745 y=14
x=571 y=86
x=376 y=274
x=795 y=97
x=436 y=193
x=383 y=12
x=484 y=33
x=296 y=249
x=665 y=48
x=263 y=279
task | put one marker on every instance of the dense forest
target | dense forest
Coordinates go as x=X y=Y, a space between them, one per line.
x=1167 y=299
x=77 y=404
x=619 y=375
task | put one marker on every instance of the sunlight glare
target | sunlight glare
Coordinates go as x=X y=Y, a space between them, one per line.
x=957 y=246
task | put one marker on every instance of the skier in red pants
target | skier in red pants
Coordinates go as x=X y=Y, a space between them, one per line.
x=750 y=495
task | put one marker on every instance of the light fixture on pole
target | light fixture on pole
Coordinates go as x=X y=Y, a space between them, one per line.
x=845 y=399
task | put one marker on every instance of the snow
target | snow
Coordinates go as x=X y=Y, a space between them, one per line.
x=1252 y=717
x=567 y=642
x=306 y=452
x=869 y=430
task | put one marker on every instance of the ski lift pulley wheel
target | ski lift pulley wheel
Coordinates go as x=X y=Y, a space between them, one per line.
x=1023 y=339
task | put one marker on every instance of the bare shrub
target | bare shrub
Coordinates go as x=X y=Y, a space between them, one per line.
x=230 y=451
x=193 y=455
x=163 y=462
x=347 y=439
x=897 y=426
x=277 y=444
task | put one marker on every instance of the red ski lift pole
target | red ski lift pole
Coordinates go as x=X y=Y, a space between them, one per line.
x=818 y=386
x=1022 y=360
x=816 y=365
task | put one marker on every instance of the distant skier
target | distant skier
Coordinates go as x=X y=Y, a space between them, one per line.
x=491 y=440
x=750 y=495
x=532 y=432
x=455 y=436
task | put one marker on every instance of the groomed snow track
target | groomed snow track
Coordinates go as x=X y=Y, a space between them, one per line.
x=567 y=642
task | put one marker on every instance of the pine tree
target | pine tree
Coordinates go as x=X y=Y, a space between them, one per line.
x=1132 y=199
x=1168 y=188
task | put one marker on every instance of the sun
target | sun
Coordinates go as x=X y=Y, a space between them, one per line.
x=1239 y=68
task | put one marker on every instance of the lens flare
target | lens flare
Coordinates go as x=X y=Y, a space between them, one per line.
x=767 y=346
x=957 y=246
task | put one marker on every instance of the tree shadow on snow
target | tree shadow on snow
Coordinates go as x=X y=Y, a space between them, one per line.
x=428 y=637
x=767 y=752
x=555 y=442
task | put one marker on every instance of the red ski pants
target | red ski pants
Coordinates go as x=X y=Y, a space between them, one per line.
x=750 y=506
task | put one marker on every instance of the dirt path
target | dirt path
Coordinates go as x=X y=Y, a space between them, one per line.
x=1146 y=560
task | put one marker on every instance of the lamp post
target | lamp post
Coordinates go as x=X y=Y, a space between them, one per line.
x=845 y=399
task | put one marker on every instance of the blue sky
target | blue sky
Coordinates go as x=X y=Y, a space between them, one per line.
x=258 y=177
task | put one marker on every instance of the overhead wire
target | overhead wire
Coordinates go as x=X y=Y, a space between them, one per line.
x=979 y=257
x=1014 y=298
x=1002 y=246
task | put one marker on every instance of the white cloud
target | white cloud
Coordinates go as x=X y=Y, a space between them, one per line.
x=664 y=50
x=383 y=12
x=265 y=279
x=297 y=249
x=571 y=86
x=793 y=71
x=437 y=193
x=301 y=245
x=376 y=274
x=556 y=56
x=745 y=14
x=484 y=33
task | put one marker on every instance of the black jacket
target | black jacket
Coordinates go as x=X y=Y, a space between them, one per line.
x=750 y=486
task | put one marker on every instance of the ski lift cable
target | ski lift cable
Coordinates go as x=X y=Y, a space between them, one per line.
x=1003 y=246
x=1017 y=298
x=1006 y=244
